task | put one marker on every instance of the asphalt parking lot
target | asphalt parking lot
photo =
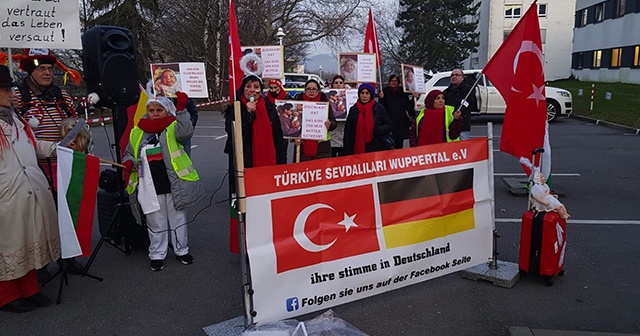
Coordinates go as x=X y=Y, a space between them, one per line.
x=596 y=168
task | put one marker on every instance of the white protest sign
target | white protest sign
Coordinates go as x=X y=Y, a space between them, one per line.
x=412 y=78
x=169 y=78
x=340 y=101
x=268 y=64
x=47 y=24
x=302 y=119
x=357 y=67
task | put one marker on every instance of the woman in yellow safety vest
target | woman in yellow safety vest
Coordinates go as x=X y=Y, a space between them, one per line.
x=164 y=183
x=436 y=122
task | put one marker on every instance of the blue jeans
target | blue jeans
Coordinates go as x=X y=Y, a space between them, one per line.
x=465 y=135
x=187 y=147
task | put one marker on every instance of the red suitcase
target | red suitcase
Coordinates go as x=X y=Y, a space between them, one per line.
x=543 y=239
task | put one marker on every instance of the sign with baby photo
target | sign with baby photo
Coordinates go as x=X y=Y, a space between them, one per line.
x=340 y=101
x=263 y=61
x=169 y=78
x=303 y=120
x=412 y=78
x=357 y=67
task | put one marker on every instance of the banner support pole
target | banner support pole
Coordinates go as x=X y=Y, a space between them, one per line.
x=493 y=264
x=247 y=289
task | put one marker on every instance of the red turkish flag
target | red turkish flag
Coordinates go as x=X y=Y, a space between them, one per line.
x=235 y=53
x=323 y=226
x=371 y=39
x=517 y=71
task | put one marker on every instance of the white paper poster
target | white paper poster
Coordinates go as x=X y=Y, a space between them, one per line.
x=169 y=78
x=50 y=24
x=302 y=119
x=264 y=61
x=357 y=67
x=341 y=101
x=412 y=78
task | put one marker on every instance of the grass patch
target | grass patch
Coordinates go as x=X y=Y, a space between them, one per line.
x=623 y=108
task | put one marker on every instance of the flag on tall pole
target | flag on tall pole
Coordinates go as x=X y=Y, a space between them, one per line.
x=235 y=53
x=371 y=39
x=517 y=71
x=77 y=188
x=134 y=113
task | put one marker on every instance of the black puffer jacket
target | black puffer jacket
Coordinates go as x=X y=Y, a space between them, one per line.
x=381 y=128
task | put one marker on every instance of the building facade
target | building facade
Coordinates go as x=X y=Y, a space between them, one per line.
x=606 y=46
x=496 y=19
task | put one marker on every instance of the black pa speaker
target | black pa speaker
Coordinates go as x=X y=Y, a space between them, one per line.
x=110 y=67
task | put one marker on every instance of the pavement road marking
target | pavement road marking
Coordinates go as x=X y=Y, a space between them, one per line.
x=580 y=221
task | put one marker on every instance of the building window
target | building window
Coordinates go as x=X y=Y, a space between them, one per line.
x=620 y=7
x=580 y=60
x=542 y=10
x=636 y=57
x=543 y=35
x=600 y=12
x=585 y=17
x=512 y=11
x=616 y=57
x=597 y=56
x=506 y=33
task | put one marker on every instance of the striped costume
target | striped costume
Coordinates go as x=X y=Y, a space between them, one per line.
x=48 y=113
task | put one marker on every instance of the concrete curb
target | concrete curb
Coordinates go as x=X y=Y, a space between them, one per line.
x=526 y=331
x=609 y=124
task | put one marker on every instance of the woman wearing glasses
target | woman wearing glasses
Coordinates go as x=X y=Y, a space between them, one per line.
x=312 y=149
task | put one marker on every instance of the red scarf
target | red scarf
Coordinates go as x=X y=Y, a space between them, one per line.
x=310 y=147
x=364 y=128
x=156 y=125
x=281 y=96
x=431 y=128
x=263 y=148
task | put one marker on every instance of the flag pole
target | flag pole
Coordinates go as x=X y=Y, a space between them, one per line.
x=473 y=87
x=493 y=264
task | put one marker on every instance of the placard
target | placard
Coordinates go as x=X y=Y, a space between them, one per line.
x=340 y=102
x=412 y=78
x=357 y=67
x=50 y=24
x=303 y=120
x=266 y=62
x=169 y=78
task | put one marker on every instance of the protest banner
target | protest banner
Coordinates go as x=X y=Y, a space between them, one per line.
x=340 y=101
x=357 y=67
x=302 y=119
x=169 y=78
x=40 y=24
x=412 y=78
x=327 y=232
x=267 y=61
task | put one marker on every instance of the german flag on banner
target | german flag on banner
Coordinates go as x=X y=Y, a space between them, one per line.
x=419 y=209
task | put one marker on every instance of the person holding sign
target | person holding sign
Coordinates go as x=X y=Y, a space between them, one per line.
x=368 y=126
x=436 y=123
x=165 y=182
x=29 y=224
x=337 y=135
x=399 y=107
x=276 y=91
x=312 y=149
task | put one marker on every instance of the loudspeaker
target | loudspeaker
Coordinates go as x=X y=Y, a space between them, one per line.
x=110 y=67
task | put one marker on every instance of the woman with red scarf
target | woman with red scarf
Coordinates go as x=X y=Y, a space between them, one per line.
x=276 y=91
x=312 y=149
x=399 y=107
x=367 y=124
x=436 y=123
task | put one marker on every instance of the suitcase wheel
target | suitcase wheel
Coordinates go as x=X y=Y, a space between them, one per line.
x=561 y=273
x=548 y=280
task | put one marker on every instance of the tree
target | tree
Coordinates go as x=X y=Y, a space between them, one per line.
x=438 y=34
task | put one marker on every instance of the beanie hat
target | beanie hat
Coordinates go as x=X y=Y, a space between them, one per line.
x=366 y=86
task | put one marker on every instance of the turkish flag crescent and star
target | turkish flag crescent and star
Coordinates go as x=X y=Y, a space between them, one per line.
x=517 y=71
x=323 y=226
x=235 y=53
x=371 y=39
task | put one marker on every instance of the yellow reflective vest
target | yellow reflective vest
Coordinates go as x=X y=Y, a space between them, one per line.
x=180 y=160
x=448 y=118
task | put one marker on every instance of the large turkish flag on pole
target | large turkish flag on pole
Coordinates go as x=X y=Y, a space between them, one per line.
x=235 y=53
x=371 y=39
x=517 y=71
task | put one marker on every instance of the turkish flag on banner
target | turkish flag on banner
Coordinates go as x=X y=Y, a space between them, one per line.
x=235 y=53
x=371 y=39
x=323 y=226
x=517 y=71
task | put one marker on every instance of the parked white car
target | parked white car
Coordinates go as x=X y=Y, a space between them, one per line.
x=489 y=100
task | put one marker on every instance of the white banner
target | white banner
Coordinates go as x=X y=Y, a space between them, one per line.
x=169 y=78
x=50 y=24
x=328 y=232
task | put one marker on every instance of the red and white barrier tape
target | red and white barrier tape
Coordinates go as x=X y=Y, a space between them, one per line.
x=99 y=120
x=225 y=99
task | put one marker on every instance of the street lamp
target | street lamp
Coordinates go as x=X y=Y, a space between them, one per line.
x=280 y=35
x=320 y=69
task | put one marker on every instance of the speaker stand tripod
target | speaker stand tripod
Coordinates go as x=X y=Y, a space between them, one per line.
x=64 y=270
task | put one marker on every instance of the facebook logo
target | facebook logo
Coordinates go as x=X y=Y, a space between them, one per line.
x=292 y=304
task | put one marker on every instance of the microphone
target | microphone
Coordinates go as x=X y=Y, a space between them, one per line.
x=252 y=98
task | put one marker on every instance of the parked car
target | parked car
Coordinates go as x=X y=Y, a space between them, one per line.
x=489 y=100
x=294 y=82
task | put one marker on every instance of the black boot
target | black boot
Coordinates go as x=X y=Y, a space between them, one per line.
x=43 y=275
x=39 y=300
x=19 y=306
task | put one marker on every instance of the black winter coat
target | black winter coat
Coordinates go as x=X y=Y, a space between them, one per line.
x=381 y=127
x=400 y=111
x=453 y=95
